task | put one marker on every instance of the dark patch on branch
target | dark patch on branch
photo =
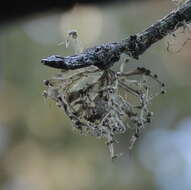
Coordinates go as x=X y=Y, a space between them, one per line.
x=104 y=56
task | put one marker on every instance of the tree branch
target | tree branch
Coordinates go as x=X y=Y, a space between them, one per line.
x=105 y=55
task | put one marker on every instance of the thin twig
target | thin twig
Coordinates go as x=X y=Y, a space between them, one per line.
x=105 y=55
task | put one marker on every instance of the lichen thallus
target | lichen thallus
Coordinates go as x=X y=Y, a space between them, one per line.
x=106 y=103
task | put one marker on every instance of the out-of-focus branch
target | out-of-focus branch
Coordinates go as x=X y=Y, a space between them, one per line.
x=20 y=10
x=105 y=55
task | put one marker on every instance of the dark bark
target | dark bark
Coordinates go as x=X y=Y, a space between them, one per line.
x=104 y=56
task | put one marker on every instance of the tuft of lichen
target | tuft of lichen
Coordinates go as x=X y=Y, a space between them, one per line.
x=105 y=103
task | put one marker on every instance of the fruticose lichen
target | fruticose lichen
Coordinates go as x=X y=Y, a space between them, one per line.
x=105 y=103
x=102 y=102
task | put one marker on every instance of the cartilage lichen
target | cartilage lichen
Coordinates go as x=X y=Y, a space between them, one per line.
x=102 y=102
x=105 y=103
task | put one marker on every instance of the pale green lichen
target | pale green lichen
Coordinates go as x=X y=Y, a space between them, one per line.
x=105 y=103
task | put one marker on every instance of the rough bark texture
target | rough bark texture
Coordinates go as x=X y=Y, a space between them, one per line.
x=105 y=55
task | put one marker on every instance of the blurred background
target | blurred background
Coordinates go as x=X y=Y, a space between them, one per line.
x=38 y=148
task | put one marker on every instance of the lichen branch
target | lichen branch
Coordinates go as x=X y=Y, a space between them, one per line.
x=97 y=102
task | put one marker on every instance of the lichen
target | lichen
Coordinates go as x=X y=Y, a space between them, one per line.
x=106 y=103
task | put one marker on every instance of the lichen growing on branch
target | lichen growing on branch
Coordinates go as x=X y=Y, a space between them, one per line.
x=105 y=103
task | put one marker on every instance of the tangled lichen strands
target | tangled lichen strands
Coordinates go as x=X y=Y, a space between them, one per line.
x=104 y=103
x=94 y=101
